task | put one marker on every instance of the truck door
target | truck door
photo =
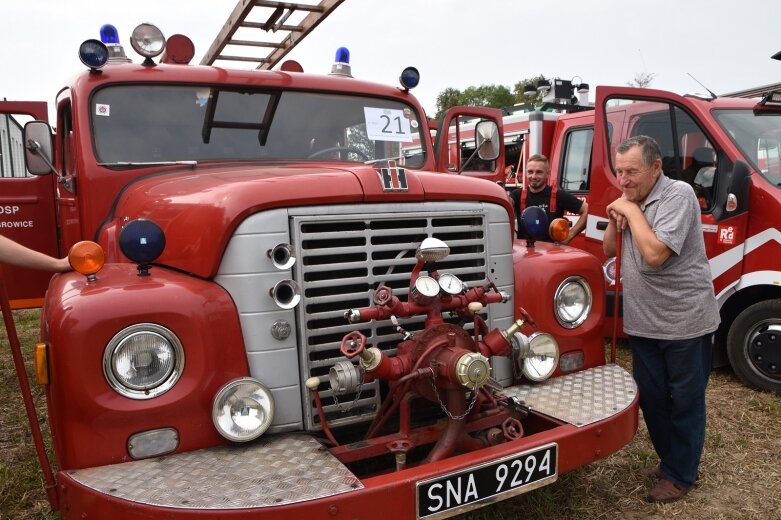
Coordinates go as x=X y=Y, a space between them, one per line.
x=691 y=152
x=459 y=132
x=570 y=165
x=27 y=212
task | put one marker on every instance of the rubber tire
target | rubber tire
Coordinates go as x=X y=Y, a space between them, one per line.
x=766 y=312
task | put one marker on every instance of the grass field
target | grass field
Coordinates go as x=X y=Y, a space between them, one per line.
x=740 y=475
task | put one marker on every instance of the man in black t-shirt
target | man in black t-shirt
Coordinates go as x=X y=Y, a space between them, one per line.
x=552 y=200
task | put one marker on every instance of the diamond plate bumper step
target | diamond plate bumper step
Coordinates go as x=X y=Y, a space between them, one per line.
x=291 y=468
x=581 y=398
x=280 y=470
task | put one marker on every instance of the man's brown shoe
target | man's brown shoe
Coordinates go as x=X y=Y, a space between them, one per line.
x=654 y=472
x=666 y=491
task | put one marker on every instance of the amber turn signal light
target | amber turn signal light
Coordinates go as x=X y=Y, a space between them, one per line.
x=41 y=364
x=86 y=257
x=559 y=229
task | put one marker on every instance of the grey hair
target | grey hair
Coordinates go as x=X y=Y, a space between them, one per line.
x=649 y=148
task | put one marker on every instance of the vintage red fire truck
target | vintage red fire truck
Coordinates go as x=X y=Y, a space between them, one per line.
x=277 y=312
x=728 y=150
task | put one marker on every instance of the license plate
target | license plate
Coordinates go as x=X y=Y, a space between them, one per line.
x=469 y=488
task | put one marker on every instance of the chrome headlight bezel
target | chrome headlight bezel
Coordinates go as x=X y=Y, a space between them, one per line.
x=169 y=376
x=567 y=319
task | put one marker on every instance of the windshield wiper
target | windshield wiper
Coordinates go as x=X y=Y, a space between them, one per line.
x=149 y=163
x=397 y=158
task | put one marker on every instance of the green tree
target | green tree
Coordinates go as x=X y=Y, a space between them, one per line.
x=447 y=99
x=495 y=96
x=642 y=79
x=520 y=97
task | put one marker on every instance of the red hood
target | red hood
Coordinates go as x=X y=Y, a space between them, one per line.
x=199 y=210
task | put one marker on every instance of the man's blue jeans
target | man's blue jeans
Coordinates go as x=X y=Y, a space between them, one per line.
x=671 y=377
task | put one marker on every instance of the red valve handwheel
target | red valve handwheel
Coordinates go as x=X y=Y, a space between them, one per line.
x=353 y=344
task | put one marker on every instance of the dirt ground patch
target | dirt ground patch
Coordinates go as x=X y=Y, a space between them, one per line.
x=740 y=475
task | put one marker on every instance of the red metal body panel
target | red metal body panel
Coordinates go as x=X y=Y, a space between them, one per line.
x=27 y=216
x=90 y=420
x=198 y=212
x=542 y=267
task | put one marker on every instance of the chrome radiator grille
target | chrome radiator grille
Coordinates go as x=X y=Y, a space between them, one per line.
x=344 y=257
x=343 y=254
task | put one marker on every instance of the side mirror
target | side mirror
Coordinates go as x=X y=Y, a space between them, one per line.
x=38 y=148
x=487 y=140
x=733 y=191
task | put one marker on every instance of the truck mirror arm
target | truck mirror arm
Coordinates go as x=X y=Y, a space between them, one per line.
x=35 y=147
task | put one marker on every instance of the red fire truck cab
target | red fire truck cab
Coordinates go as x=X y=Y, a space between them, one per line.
x=728 y=150
x=297 y=316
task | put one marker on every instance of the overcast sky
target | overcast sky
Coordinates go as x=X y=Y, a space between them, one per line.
x=725 y=44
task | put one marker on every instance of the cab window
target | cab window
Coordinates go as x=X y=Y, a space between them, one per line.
x=687 y=152
x=577 y=160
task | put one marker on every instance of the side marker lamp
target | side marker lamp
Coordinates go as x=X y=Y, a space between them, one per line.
x=93 y=54
x=153 y=443
x=41 y=364
x=87 y=258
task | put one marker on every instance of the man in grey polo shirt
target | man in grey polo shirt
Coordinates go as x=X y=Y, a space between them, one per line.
x=670 y=312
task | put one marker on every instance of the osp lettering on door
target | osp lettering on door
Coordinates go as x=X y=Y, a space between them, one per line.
x=9 y=210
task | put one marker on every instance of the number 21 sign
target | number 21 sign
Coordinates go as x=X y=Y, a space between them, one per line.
x=386 y=124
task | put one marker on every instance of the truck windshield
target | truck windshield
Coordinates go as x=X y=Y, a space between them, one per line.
x=758 y=135
x=143 y=124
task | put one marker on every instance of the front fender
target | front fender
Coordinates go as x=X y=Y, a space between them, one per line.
x=538 y=271
x=90 y=421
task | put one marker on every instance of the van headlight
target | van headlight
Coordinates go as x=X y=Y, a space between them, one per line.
x=572 y=302
x=242 y=410
x=143 y=361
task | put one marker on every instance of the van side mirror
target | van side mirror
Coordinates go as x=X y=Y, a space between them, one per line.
x=38 y=148
x=733 y=191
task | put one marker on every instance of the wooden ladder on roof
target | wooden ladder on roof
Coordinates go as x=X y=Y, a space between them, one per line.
x=274 y=26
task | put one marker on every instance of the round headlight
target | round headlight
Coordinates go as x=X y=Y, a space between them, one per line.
x=572 y=302
x=542 y=358
x=243 y=409
x=143 y=361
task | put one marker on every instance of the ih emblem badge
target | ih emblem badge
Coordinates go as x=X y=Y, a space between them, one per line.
x=393 y=178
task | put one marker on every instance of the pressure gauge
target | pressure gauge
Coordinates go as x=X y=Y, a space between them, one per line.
x=450 y=283
x=425 y=290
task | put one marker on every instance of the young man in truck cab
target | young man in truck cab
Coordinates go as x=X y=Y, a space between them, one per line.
x=554 y=201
